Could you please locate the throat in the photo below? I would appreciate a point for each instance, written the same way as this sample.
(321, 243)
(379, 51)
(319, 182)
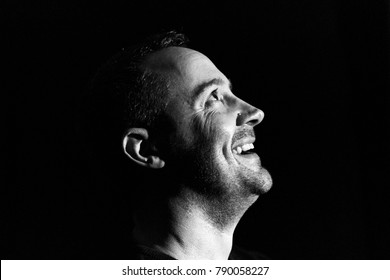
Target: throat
(187, 234)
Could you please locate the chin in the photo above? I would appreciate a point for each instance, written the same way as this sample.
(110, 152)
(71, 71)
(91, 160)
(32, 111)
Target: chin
(266, 180)
(259, 183)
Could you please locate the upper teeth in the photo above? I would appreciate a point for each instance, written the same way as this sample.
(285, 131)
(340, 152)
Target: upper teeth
(243, 148)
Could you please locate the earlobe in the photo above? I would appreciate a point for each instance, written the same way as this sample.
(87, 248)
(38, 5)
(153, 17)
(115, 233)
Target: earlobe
(137, 146)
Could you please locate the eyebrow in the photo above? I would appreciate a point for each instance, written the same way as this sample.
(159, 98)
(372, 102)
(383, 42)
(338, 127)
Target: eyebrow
(203, 86)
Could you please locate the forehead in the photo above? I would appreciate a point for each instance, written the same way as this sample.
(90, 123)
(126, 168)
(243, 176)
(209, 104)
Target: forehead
(185, 68)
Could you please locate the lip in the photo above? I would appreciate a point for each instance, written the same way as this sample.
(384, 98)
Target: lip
(241, 142)
(248, 160)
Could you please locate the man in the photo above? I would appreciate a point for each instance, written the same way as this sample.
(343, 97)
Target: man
(189, 140)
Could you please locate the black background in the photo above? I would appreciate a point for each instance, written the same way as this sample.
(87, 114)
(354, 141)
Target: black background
(318, 69)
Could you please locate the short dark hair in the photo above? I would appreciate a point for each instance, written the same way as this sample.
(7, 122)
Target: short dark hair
(126, 94)
(122, 94)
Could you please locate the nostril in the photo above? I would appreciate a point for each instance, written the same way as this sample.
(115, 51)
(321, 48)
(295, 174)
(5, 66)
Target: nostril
(253, 122)
(254, 117)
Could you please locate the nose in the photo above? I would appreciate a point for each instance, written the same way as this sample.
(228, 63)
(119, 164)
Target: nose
(249, 115)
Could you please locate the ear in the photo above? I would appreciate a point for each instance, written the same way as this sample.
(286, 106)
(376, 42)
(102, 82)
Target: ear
(137, 146)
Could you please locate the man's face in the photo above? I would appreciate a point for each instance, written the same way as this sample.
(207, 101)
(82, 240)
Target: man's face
(212, 136)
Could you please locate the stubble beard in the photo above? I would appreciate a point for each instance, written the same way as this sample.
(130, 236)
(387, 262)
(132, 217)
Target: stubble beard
(223, 192)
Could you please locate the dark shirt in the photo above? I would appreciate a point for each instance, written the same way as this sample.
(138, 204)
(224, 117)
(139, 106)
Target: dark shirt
(238, 253)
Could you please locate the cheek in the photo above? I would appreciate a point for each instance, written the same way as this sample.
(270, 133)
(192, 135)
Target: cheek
(214, 127)
(207, 126)
(223, 123)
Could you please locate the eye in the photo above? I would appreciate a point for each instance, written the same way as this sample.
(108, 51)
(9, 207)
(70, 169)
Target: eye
(215, 96)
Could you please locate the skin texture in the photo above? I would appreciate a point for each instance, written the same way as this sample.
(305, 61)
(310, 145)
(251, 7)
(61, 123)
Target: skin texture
(215, 185)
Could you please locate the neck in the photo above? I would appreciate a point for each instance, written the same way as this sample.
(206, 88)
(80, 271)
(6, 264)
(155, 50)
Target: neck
(184, 229)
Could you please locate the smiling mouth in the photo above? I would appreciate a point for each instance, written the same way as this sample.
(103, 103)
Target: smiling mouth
(245, 149)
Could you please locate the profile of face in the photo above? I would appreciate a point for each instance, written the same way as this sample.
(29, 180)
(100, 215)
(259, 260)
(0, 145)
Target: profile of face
(208, 144)
(211, 140)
